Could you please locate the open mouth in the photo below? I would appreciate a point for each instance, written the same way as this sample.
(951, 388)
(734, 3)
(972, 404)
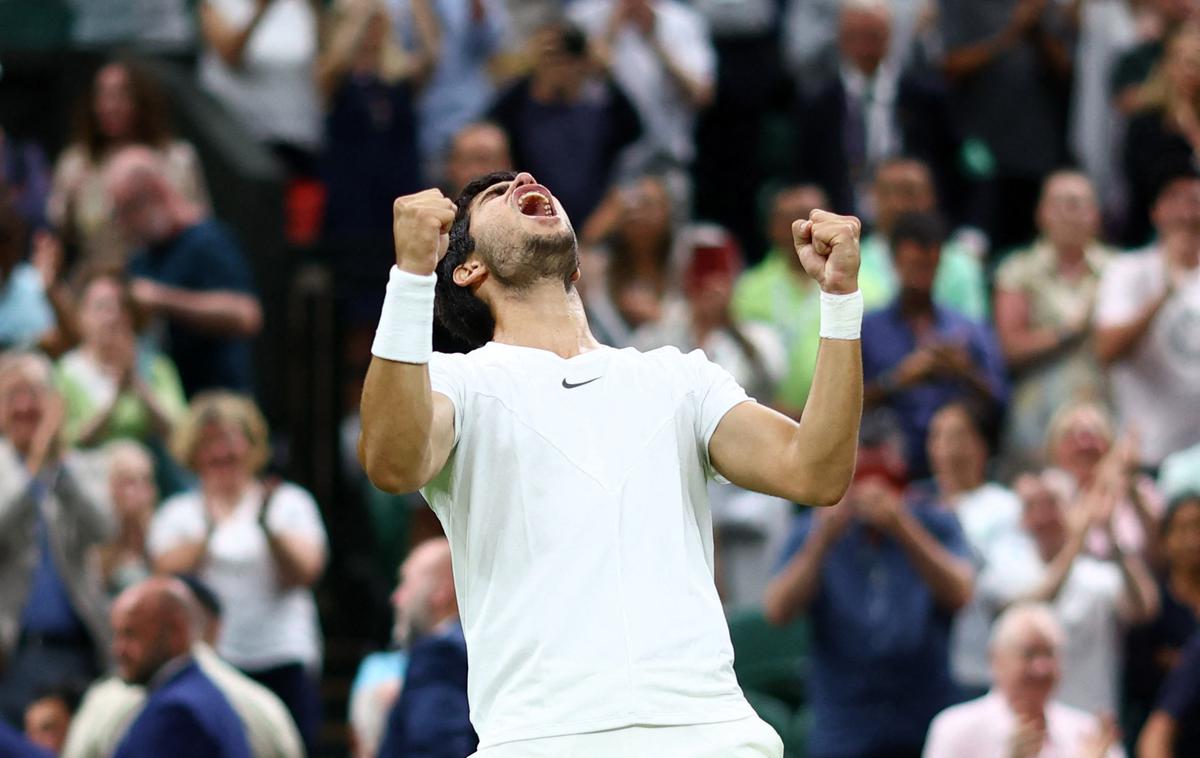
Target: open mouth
(534, 200)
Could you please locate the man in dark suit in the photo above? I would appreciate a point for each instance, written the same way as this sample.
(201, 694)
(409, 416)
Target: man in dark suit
(430, 719)
(185, 715)
(868, 112)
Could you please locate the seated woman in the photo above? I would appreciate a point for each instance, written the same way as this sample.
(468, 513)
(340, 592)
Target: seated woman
(258, 543)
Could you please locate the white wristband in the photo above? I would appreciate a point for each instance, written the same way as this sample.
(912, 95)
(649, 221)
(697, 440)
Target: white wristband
(405, 332)
(841, 316)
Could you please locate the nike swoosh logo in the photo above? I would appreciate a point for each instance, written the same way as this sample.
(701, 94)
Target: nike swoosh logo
(568, 386)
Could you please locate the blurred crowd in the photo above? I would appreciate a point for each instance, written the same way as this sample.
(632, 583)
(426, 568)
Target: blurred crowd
(1015, 570)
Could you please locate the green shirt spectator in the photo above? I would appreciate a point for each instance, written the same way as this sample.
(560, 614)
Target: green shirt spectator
(960, 283)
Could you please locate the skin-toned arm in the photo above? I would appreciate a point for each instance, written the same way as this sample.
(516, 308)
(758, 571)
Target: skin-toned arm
(1115, 342)
(299, 561)
(185, 558)
(219, 312)
(1022, 343)
(229, 42)
(1158, 736)
(948, 577)
(791, 592)
(407, 429)
(809, 462)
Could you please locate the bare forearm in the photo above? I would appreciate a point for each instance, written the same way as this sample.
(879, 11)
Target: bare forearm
(229, 43)
(394, 446)
(825, 445)
(1115, 342)
(1158, 737)
(184, 559)
(948, 577)
(1057, 571)
(1140, 589)
(298, 561)
(219, 312)
(698, 93)
(793, 590)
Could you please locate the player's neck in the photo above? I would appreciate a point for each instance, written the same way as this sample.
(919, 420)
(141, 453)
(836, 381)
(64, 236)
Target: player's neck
(547, 317)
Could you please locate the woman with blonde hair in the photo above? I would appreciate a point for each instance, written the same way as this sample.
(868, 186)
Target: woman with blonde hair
(259, 543)
(1165, 134)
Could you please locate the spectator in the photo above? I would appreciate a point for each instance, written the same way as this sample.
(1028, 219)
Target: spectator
(1174, 727)
(1180, 473)
(567, 126)
(430, 716)
(810, 35)
(13, 744)
(903, 186)
(369, 85)
(1009, 66)
(961, 435)
(35, 308)
(1018, 718)
(660, 54)
(1153, 648)
(880, 581)
(1044, 301)
(53, 509)
(918, 355)
(259, 544)
(476, 150)
(1137, 64)
(868, 112)
(113, 387)
(258, 60)
(48, 717)
(459, 87)
(1147, 325)
(1080, 443)
(641, 239)
(134, 497)
(124, 106)
(191, 274)
(185, 714)
(752, 352)
(379, 678)
(111, 704)
(1093, 600)
(1164, 135)
(778, 293)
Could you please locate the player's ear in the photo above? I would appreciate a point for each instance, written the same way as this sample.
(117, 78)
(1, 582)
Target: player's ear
(470, 273)
(575, 276)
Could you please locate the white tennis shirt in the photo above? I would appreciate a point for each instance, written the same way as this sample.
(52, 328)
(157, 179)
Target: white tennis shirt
(575, 501)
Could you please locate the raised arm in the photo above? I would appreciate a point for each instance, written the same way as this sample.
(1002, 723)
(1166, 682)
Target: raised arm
(407, 429)
(219, 312)
(809, 462)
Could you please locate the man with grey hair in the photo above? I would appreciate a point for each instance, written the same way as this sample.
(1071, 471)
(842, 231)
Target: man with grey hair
(190, 273)
(53, 510)
(1019, 718)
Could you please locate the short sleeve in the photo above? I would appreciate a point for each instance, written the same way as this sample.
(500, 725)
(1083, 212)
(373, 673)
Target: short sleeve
(1011, 275)
(180, 520)
(716, 392)
(1180, 694)
(448, 376)
(1117, 298)
(293, 511)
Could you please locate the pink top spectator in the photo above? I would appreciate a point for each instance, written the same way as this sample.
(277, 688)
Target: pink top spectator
(983, 728)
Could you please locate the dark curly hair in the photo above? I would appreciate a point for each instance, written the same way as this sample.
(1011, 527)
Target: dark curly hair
(468, 319)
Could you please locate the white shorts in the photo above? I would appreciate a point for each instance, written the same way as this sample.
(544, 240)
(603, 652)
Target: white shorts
(750, 737)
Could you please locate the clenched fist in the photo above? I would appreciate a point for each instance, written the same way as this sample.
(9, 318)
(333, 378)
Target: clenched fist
(421, 227)
(827, 245)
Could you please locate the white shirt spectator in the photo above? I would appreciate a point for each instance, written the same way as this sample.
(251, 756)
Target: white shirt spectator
(1086, 606)
(273, 91)
(667, 117)
(1156, 386)
(983, 728)
(990, 517)
(262, 625)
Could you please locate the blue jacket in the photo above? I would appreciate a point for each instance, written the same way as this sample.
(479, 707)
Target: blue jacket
(187, 717)
(430, 719)
(14, 745)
